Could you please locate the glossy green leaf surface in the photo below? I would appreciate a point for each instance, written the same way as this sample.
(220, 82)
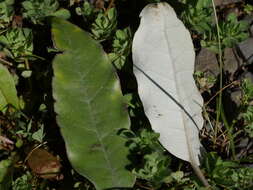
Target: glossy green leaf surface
(90, 108)
(8, 93)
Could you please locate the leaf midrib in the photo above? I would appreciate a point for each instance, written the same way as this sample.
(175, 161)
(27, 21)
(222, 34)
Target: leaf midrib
(191, 157)
(97, 131)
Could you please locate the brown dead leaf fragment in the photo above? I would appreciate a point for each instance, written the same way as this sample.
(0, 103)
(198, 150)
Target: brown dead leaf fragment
(5, 143)
(17, 21)
(100, 4)
(44, 164)
(112, 4)
(5, 140)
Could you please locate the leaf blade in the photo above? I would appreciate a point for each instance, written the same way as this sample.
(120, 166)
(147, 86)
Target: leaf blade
(8, 92)
(163, 57)
(89, 99)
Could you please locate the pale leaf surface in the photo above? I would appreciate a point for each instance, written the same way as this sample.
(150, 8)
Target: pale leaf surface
(163, 57)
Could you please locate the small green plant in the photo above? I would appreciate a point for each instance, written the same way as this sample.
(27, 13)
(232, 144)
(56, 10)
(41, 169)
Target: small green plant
(232, 32)
(155, 169)
(247, 89)
(38, 10)
(248, 121)
(39, 134)
(121, 47)
(6, 12)
(155, 165)
(87, 10)
(17, 43)
(205, 82)
(145, 141)
(23, 182)
(248, 8)
(228, 175)
(247, 107)
(104, 25)
(27, 132)
(198, 15)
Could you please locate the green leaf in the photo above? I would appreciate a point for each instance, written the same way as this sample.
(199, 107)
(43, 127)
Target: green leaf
(228, 174)
(38, 10)
(39, 135)
(23, 182)
(26, 74)
(6, 12)
(104, 25)
(62, 13)
(8, 93)
(5, 174)
(90, 108)
(18, 43)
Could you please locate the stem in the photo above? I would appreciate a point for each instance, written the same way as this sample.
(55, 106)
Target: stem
(236, 82)
(5, 62)
(111, 4)
(220, 68)
(30, 153)
(220, 111)
(230, 133)
(207, 117)
(27, 67)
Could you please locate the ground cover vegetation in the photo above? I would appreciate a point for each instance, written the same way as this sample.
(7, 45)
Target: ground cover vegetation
(32, 95)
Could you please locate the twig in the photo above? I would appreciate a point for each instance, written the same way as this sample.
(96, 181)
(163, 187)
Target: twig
(230, 133)
(111, 4)
(144, 187)
(5, 140)
(30, 153)
(207, 117)
(222, 89)
(5, 62)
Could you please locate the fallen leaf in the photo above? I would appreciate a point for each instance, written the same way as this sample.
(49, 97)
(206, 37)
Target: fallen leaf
(44, 164)
(163, 57)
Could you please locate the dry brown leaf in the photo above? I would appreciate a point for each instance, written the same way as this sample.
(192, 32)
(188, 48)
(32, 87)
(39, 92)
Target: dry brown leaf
(44, 164)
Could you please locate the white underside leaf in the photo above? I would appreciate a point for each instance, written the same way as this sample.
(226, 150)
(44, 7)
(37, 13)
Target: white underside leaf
(163, 56)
